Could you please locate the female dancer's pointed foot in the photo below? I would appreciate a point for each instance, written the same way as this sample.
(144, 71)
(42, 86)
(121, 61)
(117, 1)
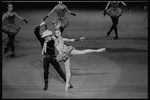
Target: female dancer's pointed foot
(101, 50)
(67, 86)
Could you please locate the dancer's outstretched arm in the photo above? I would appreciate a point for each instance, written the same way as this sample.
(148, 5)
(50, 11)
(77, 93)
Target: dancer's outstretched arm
(74, 14)
(20, 18)
(49, 13)
(125, 5)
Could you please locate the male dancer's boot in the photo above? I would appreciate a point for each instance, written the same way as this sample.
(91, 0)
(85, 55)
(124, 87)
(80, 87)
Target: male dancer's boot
(46, 85)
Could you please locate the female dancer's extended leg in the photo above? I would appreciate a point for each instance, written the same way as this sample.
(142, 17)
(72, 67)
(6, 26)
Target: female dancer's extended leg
(68, 73)
(76, 52)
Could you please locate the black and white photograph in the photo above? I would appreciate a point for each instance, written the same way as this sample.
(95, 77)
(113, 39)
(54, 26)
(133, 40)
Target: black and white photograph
(75, 49)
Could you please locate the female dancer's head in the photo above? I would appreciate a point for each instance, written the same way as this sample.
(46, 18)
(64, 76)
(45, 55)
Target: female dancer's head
(9, 6)
(58, 33)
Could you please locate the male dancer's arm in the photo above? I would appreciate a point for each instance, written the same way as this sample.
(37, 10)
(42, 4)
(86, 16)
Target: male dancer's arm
(38, 36)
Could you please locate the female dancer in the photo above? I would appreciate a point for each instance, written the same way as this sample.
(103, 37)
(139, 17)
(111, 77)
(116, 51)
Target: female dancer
(10, 28)
(60, 9)
(65, 51)
(114, 12)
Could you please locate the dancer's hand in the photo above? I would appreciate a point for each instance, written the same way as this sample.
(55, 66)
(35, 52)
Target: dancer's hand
(104, 16)
(129, 10)
(25, 21)
(82, 38)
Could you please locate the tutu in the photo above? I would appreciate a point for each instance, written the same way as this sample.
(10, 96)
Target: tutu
(115, 12)
(11, 28)
(65, 53)
(64, 22)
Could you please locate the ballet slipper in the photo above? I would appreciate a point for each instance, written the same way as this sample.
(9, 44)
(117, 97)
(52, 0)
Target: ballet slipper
(101, 50)
(67, 87)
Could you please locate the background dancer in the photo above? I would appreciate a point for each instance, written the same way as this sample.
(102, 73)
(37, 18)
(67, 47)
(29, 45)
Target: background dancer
(10, 28)
(61, 18)
(114, 12)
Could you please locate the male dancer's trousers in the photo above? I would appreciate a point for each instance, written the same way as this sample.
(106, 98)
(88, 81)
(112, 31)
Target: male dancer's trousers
(55, 64)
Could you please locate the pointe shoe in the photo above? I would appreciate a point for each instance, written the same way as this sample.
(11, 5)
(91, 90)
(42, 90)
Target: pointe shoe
(67, 87)
(43, 23)
(101, 50)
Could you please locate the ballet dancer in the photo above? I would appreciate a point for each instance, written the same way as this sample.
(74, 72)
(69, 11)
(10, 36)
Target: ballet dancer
(114, 12)
(10, 28)
(60, 9)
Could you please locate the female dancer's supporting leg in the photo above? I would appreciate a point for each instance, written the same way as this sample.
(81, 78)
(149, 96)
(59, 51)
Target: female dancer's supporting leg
(68, 73)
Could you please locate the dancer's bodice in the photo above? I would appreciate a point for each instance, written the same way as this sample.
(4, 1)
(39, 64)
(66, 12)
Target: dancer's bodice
(115, 4)
(61, 9)
(10, 18)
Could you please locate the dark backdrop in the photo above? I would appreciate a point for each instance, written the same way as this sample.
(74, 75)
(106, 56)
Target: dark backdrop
(26, 5)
